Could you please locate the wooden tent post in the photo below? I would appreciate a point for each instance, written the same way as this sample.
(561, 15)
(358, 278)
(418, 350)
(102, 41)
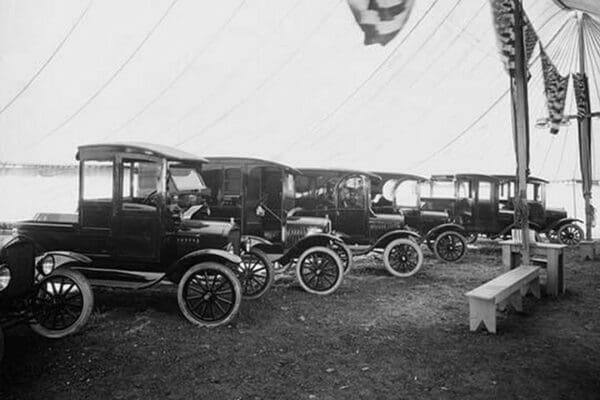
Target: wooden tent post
(520, 118)
(584, 125)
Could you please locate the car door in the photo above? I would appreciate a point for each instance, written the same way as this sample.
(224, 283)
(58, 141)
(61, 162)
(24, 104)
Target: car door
(136, 229)
(486, 206)
(351, 216)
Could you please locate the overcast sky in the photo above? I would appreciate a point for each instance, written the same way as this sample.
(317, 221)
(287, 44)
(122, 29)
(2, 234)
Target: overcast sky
(288, 80)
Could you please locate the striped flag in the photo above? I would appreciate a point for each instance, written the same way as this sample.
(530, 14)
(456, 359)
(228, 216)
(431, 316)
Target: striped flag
(380, 20)
(555, 89)
(504, 22)
(580, 86)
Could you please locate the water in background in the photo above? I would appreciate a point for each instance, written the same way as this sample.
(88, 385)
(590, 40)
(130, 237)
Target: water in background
(27, 192)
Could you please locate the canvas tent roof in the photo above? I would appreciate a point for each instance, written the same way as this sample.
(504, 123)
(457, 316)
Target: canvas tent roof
(291, 82)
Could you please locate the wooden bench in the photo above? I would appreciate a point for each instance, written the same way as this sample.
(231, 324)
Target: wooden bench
(508, 288)
(548, 255)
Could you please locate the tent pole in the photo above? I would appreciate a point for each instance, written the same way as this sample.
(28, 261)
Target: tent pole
(520, 117)
(584, 125)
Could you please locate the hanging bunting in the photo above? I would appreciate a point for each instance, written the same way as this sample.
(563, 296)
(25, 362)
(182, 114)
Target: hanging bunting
(555, 89)
(380, 20)
(580, 86)
(504, 22)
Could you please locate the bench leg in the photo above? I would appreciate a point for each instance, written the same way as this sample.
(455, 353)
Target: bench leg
(481, 311)
(534, 287)
(516, 301)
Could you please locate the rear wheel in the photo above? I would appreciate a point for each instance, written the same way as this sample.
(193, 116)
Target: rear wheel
(319, 270)
(209, 294)
(403, 257)
(255, 274)
(450, 246)
(570, 234)
(344, 253)
(62, 304)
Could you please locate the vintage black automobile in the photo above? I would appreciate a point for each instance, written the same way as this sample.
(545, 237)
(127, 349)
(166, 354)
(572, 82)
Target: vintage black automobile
(401, 193)
(40, 289)
(476, 203)
(344, 197)
(259, 195)
(553, 222)
(136, 237)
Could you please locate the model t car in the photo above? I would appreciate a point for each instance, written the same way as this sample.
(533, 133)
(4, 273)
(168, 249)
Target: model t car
(478, 205)
(553, 222)
(401, 193)
(259, 195)
(344, 197)
(41, 290)
(135, 237)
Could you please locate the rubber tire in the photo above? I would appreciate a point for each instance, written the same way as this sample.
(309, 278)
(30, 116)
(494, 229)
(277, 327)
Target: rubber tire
(581, 234)
(388, 250)
(270, 275)
(229, 274)
(88, 305)
(448, 233)
(350, 264)
(338, 262)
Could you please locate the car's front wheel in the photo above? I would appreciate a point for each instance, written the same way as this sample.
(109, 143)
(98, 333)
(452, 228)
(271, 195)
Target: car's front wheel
(403, 257)
(319, 270)
(62, 304)
(209, 294)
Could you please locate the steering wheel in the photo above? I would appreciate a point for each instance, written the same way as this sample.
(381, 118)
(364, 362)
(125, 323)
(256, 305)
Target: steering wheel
(149, 198)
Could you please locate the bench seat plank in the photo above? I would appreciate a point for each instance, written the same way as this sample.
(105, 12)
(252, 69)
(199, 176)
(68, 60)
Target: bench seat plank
(503, 286)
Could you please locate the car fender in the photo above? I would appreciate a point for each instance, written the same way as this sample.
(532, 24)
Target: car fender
(313, 240)
(384, 240)
(18, 239)
(178, 268)
(506, 230)
(564, 221)
(64, 258)
(249, 241)
(450, 226)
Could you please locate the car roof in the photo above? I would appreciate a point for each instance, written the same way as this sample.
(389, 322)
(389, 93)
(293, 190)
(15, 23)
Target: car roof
(464, 176)
(248, 160)
(106, 149)
(530, 179)
(337, 172)
(398, 175)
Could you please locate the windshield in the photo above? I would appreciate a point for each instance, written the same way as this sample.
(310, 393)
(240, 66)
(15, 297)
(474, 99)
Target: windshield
(439, 189)
(186, 179)
(407, 194)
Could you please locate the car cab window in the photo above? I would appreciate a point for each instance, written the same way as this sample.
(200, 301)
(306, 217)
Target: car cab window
(464, 190)
(484, 191)
(97, 182)
(142, 184)
(352, 193)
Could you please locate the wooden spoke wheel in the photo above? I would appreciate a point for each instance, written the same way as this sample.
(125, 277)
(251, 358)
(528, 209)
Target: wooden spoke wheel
(450, 246)
(344, 253)
(570, 234)
(209, 294)
(552, 236)
(62, 304)
(319, 270)
(255, 274)
(403, 257)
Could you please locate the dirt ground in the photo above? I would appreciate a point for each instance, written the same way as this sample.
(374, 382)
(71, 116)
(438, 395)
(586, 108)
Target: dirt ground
(377, 337)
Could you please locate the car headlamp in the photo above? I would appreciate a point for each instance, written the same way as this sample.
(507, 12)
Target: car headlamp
(47, 265)
(4, 277)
